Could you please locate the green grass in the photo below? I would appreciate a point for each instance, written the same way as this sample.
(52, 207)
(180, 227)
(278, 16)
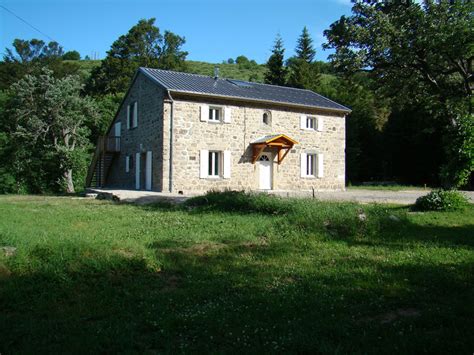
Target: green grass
(234, 273)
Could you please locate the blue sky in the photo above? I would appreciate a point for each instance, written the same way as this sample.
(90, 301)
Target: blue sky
(214, 29)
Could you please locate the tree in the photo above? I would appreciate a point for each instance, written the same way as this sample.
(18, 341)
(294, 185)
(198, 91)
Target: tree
(276, 70)
(72, 55)
(304, 73)
(304, 48)
(29, 57)
(143, 45)
(418, 55)
(49, 115)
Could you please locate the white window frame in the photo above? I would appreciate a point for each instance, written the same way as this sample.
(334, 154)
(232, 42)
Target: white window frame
(215, 158)
(311, 123)
(312, 165)
(127, 163)
(216, 111)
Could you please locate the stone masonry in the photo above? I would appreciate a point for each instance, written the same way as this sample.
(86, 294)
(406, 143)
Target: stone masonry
(182, 144)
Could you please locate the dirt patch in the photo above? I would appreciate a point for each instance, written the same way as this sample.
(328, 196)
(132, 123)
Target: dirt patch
(195, 249)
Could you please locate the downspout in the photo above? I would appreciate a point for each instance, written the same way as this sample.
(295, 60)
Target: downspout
(171, 143)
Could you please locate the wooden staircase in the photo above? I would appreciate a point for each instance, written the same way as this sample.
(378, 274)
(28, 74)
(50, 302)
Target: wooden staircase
(107, 148)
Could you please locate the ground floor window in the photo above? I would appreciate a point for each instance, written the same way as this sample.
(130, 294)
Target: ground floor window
(214, 163)
(311, 164)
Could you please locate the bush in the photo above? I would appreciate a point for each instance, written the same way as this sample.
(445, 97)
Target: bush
(441, 200)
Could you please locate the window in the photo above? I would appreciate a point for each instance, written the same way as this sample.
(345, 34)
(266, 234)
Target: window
(214, 164)
(311, 165)
(128, 163)
(132, 115)
(215, 114)
(267, 118)
(311, 123)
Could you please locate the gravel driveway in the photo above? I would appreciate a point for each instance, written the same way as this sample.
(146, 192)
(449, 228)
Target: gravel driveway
(364, 196)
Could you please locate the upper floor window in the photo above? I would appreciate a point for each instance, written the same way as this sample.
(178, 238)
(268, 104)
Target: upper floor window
(132, 115)
(267, 118)
(311, 123)
(215, 114)
(314, 123)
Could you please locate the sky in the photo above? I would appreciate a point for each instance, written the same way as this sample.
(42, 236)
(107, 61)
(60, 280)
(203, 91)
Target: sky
(215, 30)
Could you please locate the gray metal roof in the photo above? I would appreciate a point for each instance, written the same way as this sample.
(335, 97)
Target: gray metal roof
(249, 91)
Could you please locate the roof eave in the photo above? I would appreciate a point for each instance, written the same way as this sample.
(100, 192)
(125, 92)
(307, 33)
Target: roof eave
(245, 99)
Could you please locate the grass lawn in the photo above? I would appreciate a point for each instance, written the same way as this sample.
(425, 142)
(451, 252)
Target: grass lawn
(227, 274)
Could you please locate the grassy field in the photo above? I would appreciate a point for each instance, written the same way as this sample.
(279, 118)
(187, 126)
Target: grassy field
(233, 273)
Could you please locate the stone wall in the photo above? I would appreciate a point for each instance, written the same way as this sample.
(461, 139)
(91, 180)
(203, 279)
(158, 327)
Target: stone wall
(191, 135)
(147, 136)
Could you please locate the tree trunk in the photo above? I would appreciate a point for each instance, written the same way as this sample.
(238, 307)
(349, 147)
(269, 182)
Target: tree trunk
(69, 182)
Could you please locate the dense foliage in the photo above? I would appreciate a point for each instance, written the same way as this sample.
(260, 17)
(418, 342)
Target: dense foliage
(49, 119)
(420, 57)
(442, 200)
(143, 46)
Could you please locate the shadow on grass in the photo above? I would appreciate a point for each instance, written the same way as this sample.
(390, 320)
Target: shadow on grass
(255, 296)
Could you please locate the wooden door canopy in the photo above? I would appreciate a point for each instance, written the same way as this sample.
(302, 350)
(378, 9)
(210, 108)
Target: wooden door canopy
(282, 143)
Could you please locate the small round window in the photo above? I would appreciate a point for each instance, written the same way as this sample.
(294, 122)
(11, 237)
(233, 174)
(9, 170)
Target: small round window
(267, 118)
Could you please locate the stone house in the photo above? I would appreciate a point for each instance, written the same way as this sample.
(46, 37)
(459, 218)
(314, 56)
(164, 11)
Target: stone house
(180, 132)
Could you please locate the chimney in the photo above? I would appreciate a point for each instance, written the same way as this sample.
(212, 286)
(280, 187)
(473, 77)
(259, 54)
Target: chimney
(216, 72)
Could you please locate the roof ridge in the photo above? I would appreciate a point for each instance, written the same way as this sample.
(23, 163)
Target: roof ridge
(180, 72)
(227, 79)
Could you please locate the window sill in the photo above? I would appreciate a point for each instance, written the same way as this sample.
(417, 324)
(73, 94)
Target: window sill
(213, 178)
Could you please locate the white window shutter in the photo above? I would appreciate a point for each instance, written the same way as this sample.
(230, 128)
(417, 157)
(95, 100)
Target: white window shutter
(204, 164)
(204, 113)
(320, 123)
(303, 121)
(137, 171)
(227, 164)
(303, 165)
(227, 114)
(128, 116)
(127, 164)
(320, 158)
(135, 114)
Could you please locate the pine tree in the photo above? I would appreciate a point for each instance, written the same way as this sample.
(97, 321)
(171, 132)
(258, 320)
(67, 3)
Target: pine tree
(276, 70)
(304, 73)
(304, 49)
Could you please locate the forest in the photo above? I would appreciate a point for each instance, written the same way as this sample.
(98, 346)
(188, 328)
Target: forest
(404, 69)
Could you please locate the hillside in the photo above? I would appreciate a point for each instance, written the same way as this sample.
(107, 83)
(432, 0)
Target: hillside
(248, 72)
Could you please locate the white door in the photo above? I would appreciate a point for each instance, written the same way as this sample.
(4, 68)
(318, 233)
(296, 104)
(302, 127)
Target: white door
(148, 171)
(137, 171)
(265, 168)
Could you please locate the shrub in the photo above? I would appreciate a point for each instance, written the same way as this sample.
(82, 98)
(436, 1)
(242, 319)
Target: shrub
(441, 200)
